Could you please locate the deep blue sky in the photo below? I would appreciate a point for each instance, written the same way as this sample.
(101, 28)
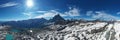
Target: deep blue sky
(18, 10)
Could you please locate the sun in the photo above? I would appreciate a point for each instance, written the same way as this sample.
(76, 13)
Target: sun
(29, 3)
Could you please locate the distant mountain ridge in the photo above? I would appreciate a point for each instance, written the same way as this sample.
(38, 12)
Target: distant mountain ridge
(26, 23)
(31, 23)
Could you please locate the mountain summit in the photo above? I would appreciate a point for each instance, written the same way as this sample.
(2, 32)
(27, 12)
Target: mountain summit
(57, 19)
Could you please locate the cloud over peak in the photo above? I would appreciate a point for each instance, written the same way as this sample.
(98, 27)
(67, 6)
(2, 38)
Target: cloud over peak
(101, 15)
(72, 12)
(50, 13)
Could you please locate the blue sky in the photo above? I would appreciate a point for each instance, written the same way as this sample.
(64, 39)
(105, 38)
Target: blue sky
(87, 9)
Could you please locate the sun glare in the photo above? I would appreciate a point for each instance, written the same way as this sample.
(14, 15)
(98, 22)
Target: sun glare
(29, 3)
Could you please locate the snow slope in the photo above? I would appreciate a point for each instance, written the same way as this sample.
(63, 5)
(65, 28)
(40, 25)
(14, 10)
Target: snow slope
(80, 31)
(87, 31)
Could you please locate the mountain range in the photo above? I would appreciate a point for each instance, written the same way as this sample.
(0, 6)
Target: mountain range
(34, 23)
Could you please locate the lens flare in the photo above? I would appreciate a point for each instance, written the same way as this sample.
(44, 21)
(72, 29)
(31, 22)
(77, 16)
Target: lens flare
(29, 3)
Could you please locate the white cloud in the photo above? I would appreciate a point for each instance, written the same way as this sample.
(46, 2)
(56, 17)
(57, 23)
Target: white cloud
(9, 4)
(41, 11)
(48, 14)
(118, 13)
(73, 12)
(89, 13)
(104, 16)
(29, 14)
(101, 15)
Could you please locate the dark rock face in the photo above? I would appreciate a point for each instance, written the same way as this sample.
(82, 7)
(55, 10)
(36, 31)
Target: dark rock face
(57, 19)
